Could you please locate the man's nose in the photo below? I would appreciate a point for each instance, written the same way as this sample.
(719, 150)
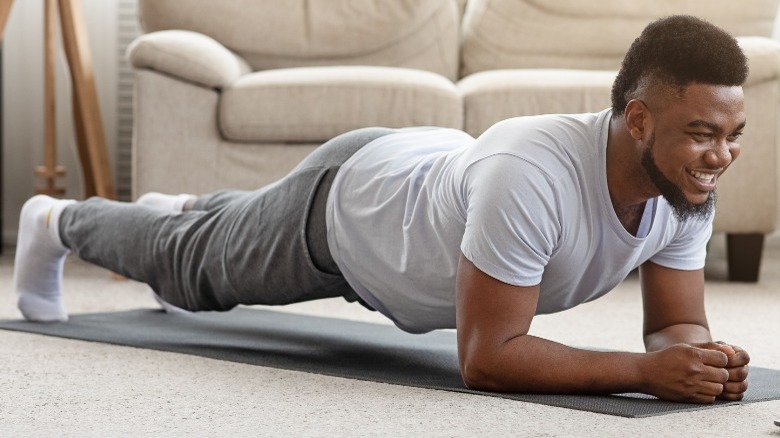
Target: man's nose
(720, 155)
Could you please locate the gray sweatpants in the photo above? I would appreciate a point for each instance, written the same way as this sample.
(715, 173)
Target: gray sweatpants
(235, 247)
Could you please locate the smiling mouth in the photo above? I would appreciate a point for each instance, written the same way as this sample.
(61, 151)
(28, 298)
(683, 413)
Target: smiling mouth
(703, 177)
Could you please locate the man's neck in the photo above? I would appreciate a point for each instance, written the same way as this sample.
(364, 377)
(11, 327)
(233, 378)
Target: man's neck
(627, 180)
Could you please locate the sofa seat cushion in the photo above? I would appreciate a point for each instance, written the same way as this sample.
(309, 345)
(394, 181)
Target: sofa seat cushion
(315, 104)
(492, 96)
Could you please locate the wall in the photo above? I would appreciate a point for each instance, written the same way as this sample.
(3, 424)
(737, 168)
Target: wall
(23, 102)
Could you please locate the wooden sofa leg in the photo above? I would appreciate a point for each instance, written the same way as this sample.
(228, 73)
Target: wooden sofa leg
(744, 256)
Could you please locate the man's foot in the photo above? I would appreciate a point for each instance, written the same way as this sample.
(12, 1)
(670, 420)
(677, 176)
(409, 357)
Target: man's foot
(39, 259)
(168, 203)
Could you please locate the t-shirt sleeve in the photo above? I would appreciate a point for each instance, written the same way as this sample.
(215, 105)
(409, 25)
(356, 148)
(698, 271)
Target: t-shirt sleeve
(512, 219)
(688, 249)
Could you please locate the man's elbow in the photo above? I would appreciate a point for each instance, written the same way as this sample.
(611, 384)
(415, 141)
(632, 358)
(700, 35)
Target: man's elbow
(482, 375)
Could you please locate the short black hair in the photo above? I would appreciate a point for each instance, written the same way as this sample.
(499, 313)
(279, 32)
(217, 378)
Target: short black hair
(677, 51)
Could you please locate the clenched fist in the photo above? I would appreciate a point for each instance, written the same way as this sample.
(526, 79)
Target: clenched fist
(697, 373)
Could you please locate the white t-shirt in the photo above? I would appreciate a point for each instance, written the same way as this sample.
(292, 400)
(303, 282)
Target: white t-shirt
(527, 203)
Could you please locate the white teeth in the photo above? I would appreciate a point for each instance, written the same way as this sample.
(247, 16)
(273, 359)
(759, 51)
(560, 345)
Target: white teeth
(703, 177)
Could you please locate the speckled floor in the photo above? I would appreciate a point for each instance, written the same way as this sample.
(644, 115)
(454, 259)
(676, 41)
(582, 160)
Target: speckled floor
(57, 387)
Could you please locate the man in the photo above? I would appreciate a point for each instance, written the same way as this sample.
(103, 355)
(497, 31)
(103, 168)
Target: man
(437, 230)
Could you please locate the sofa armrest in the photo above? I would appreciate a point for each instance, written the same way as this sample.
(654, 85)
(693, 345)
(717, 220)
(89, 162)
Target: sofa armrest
(763, 58)
(191, 56)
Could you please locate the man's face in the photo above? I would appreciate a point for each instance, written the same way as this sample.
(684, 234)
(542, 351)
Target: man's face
(673, 194)
(692, 142)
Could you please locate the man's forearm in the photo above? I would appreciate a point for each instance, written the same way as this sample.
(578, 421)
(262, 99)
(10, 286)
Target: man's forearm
(676, 334)
(534, 365)
(681, 372)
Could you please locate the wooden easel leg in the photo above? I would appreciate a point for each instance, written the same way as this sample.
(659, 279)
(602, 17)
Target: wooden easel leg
(88, 126)
(77, 51)
(50, 170)
(81, 143)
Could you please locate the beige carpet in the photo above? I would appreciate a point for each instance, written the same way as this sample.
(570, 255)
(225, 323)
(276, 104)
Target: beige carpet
(56, 387)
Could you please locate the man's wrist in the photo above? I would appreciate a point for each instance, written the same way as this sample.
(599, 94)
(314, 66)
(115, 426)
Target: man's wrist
(644, 369)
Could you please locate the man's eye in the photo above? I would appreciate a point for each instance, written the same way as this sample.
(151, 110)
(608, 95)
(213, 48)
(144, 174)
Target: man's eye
(734, 137)
(702, 135)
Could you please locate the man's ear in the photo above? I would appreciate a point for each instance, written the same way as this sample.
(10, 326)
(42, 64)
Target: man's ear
(638, 118)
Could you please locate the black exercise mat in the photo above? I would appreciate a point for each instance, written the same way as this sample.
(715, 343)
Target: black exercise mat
(341, 348)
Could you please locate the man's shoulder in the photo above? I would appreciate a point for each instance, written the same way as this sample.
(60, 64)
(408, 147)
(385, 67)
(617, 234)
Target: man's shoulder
(558, 123)
(558, 144)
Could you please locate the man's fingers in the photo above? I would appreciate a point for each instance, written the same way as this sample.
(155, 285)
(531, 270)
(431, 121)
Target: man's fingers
(728, 350)
(738, 374)
(731, 396)
(740, 358)
(715, 375)
(706, 392)
(701, 399)
(735, 388)
(713, 357)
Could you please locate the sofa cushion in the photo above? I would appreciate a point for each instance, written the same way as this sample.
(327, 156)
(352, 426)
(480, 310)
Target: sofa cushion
(495, 95)
(317, 103)
(580, 34)
(420, 34)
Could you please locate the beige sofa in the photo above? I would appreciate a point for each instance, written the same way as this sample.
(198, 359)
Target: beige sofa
(234, 93)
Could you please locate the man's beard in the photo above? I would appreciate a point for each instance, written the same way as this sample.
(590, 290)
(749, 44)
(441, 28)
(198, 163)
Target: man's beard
(682, 207)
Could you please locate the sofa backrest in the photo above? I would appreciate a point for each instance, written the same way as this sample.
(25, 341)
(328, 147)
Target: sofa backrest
(579, 34)
(269, 34)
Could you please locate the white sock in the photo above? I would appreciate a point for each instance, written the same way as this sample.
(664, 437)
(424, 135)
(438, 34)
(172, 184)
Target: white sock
(161, 201)
(168, 307)
(39, 259)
